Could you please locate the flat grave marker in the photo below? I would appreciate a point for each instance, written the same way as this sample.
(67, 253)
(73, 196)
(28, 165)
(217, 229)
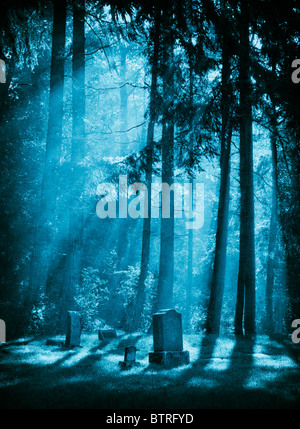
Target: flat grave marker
(107, 334)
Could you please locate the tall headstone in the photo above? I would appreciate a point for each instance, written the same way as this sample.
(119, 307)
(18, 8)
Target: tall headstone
(73, 329)
(167, 331)
(168, 339)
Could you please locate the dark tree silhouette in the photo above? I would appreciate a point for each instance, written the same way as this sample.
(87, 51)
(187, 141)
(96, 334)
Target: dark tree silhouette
(42, 257)
(245, 304)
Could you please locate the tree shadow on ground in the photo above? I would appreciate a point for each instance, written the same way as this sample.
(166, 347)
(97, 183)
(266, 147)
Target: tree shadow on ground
(241, 359)
(91, 381)
(117, 344)
(207, 348)
(293, 350)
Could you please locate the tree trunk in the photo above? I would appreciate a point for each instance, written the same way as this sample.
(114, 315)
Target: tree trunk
(77, 173)
(269, 321)
(166, 264)
(123, 224)
(140, 299)
(44, 234)
(218, 276)
(124, 99)
(189, 286)
(245, 305)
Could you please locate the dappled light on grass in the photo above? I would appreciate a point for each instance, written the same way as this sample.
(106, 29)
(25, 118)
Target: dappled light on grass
(202, 382)
(217, 364)
(224, 367)
(276, 362)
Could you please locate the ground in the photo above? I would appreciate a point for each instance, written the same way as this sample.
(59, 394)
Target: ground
(224, 372)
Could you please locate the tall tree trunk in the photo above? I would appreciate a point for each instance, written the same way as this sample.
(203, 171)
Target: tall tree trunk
(124, 98)
(166, 263)
(44, 234)
(269, 321)
(77, 173)
(123, 238)
(245, 305)
(189, 286)
(218, 275)
(140, 299)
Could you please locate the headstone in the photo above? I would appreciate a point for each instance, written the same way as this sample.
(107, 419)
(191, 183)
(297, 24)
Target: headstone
(168, 339)
(167, 331)
(129, 358)
(106, 334)
(130, 354)
(73, 329)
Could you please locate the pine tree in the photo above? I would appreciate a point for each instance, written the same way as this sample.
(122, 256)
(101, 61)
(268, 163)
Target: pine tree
(166, 262)
(145, 257)
(218, 275)
(245, 304)
(77, 172)
(42, 257)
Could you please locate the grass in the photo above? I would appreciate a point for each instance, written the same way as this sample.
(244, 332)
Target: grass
(224, 372)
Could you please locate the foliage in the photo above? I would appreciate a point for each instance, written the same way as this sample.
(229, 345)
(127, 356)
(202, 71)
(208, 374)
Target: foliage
(150, 290)
(90, 297)
(36, 324)
(126, 292)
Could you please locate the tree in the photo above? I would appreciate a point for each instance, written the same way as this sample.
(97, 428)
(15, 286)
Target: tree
(245, 304)
(166, 263)
(218, 275)
(42, 256)
(140, 299)
(77, 171)
(124, 141)
(273, 232)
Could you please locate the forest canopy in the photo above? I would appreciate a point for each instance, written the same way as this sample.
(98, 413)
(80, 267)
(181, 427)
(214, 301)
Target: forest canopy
(198, 96)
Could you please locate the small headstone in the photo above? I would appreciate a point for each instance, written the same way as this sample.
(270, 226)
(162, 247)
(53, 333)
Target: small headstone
(130, 354)
(106, 334)
(73, 329)
(168, 339)
(129, 358)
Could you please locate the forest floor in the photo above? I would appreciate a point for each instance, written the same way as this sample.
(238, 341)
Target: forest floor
(224, 372)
